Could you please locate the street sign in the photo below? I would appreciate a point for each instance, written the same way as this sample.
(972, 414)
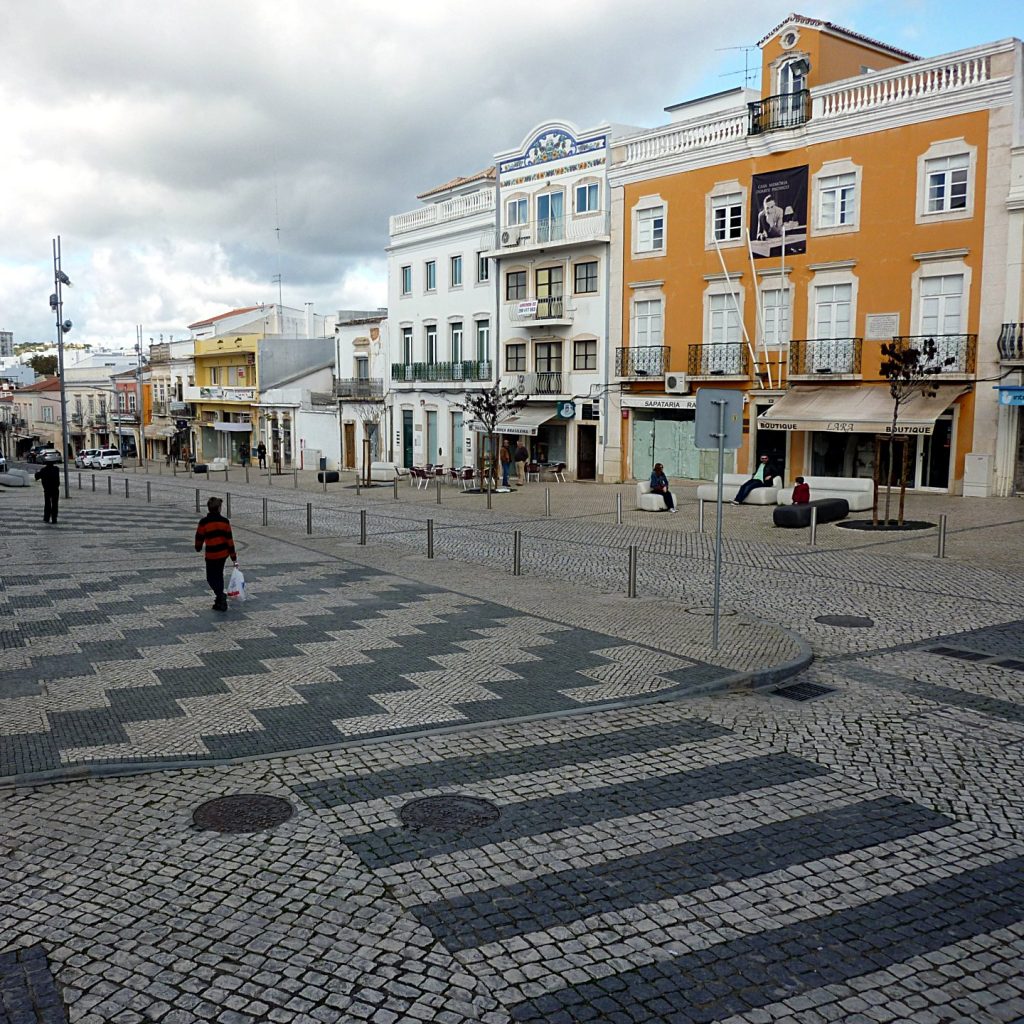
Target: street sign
(708, 423)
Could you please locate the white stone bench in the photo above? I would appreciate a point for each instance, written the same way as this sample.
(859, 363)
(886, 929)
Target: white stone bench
(857, 491)
(385, 472)
(731, 483)
(218, 465)
(648, 502)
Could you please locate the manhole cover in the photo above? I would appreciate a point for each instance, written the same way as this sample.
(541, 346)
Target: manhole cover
(846, 621)
(244, 812)
(802, 691)
(706, 611)
(449, 813)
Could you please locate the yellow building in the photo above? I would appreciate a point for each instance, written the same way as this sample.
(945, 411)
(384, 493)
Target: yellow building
(772, 242)
(225, 396)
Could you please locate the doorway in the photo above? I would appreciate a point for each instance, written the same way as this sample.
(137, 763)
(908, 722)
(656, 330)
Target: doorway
(407, 438)
(350, 446)
(586, 453)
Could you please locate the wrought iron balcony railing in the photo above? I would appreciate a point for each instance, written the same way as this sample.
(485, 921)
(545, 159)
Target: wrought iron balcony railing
(76, 419)
(813, 357)
(545, 382)
(718, 359)
(1011, 342)
(644, 361)
(787, 110)
(359, 388)
(960, 348)
(470, 370)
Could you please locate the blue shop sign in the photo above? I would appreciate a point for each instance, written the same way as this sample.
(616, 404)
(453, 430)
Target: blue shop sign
(1011, 394)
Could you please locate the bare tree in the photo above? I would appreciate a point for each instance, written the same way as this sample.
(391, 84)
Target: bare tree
(491, 408)
(909, 371)
(370, 411)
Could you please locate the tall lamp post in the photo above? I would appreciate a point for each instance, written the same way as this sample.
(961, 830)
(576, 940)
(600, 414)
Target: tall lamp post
(63, 326)
(138, 391)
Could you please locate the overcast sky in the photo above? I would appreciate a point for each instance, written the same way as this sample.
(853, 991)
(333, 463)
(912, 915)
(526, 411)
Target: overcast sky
(166, 142)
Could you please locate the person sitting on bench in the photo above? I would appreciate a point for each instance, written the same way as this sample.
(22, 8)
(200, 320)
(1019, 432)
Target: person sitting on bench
(763, 477)
(801, 492)
(659, 485)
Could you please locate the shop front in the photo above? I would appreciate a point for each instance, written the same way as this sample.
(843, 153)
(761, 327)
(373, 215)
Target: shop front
(661, 429)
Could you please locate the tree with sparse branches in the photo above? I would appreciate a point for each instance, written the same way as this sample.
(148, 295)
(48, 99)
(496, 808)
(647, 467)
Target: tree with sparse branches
(370, 411)
(489, 409)
(909, 371)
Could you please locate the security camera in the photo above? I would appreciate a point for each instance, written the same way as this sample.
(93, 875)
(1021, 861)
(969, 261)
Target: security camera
(63, 278)
(53, 301)
(66, 326)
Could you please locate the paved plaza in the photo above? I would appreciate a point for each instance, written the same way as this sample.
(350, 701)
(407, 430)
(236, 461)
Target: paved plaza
(633, 824)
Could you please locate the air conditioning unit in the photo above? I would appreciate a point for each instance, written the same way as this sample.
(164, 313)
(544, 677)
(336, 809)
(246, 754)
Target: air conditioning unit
(512, 236)
(676, 383)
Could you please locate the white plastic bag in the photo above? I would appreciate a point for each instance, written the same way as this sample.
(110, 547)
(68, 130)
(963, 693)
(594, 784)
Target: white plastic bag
(236, 585)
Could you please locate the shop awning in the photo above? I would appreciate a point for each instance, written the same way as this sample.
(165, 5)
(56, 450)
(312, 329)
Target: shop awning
(849, 410)
(221, 425)
(523, 424)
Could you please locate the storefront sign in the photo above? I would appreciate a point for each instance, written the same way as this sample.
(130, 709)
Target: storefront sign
(658, 402)
(1010, 395)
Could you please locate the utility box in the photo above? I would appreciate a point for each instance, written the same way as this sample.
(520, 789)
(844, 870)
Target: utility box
(977, 475)
(311, 458)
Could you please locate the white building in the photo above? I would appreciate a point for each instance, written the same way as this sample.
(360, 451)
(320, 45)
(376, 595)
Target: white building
(361, 354)
(91, 399)
(171, 369)
(264, 319)
(441, 314)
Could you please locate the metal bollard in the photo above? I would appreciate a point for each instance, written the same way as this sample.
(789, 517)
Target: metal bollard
(197, 499)
(110, 485)
(225, 476)
(814, 525)
(126, 487)
(324, 475)
(309, 517)
(439, 491)
(631, 583)
(246, 474)
(295, 478)
(618, 509)
(395, 482)
(547, 501)
(430, 538)
(174, 469)
(79, 481)
(149, 493)
(941, 552)
(362, 527)
(228, 497)
(264, 511)
(700, 515)
(357, 485)
(94, 483)
(517, 553)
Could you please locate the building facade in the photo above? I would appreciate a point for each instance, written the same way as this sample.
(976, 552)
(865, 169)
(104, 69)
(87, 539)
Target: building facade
(361, 368)
(92, 400)
(864, 197)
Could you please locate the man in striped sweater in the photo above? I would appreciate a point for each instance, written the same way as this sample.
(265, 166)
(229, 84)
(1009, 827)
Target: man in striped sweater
(214, 531)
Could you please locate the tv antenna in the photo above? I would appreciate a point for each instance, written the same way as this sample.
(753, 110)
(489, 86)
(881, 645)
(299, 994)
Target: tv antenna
(747, 72)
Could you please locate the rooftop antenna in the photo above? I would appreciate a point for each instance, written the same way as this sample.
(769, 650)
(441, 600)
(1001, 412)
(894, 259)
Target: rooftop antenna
(747, 72)
(277, 230)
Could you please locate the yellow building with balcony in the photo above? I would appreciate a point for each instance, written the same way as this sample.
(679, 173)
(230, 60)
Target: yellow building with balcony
(225, 396)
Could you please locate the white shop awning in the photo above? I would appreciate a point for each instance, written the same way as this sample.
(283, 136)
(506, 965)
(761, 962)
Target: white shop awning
(523, 424)
(856, 410)
(237, 427)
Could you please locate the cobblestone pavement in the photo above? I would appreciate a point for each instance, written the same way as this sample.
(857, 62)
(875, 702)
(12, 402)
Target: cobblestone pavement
(740, 857)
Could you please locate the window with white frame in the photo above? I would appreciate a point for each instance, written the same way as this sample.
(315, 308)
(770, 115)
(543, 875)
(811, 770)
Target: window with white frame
(588, 197)
(832, 308)
(430, 276)
(775, 315)
(407, 280)
(517, 211)
(483, 340)
(406, 346)
(483, 268)
(837, 200)
(727, 217)
(362, 368)
(133, 402)
(650, 229)
(723, 320)
(455, 331)
(647, 322)
(941, 318)
(723, 350)
(455, 271)
(431, 335)
(584, 354)
(945, 181)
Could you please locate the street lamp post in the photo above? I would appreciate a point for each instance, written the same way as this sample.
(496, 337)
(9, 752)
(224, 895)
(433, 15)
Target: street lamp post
(63, 326)
(138, 391)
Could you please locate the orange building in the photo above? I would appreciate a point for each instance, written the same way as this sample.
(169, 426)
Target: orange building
(773, 241)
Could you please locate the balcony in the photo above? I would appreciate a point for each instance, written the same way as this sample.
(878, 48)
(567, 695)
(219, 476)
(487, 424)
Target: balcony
(124, 418)
(77, 419)
(359, 389)
(99, 420)
(1011, 343)
(530, 384)
(216, 393)
(787, 110)
(551, 310)
(553, 232)
(159, 407)
(409, 373)
(645, 361)
(718, 359)
(814, 358)
(962, 349)
(179, 409)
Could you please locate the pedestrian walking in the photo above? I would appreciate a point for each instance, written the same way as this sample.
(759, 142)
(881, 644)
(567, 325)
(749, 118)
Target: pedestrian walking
(214, 532)
(261, 453)
(505, 458)
(244, 453)
(522, 458)
(49, 477)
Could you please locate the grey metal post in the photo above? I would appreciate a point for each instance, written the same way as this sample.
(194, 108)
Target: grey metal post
(357, 484)
(547, 501)
(79, 481)
(362, 526)
(718, 524)
(295, 477)
(309, 517)
(618, 509)
(265, 512)
(395, 484)
(814, 525)
(126, 487)
(149, 493)
(488, 493)
(110, 485)
(94, 483)
(225, 475)
(246, 474)
(227, 495)
(430, 538)
(323, 473)
(631, 583)
(941, 552)
(197, 499)
(700, 515)
(439, 490)
(517, 553)
(174, 469)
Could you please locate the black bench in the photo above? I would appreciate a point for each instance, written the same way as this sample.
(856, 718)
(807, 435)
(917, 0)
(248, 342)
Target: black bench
(199, 467)
(327, 477)
(794, 516)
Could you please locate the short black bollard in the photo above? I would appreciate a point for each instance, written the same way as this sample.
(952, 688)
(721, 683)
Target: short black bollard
(941, 550)
(126, 487)
(396, 488)
(362, 527)
(94, 483)
(79, 481)
(110, 485)
(197, 499)
(149, 492)
(309, 517)
(357, 485)
(439, 490)
(264, 511)
(631, 583)
(430, 538)
(295, 478)
(227, 495)
(517, 553)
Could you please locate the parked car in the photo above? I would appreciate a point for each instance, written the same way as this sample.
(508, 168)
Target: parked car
(108, 458)
(84, 458)
(3, 463)
(32, 455)
(49, 455)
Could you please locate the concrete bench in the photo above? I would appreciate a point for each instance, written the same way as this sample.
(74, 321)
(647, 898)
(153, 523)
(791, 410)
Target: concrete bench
(858, 492)
(15, 478)
(385, 472)
(731, 483)
(830, 510)
(648, 502)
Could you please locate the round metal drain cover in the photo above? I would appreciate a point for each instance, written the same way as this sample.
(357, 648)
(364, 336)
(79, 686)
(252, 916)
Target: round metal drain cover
(846, 621)
(244, 812)
(453, 813)
(708, 612)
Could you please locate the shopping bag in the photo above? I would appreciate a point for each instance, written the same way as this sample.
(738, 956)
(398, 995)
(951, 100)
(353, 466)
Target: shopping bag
(236, 585)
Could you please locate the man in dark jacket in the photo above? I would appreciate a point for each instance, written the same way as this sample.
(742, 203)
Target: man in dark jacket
(49, 477)
(763, 476)
(214, 531)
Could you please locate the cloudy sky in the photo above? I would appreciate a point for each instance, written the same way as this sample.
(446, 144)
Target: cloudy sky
(166, 143)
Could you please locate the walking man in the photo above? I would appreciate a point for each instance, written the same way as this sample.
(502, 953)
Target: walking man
(49, 477)
(261, 452)
(214, 531)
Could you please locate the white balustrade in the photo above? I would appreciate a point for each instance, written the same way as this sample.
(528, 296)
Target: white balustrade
(448, 210)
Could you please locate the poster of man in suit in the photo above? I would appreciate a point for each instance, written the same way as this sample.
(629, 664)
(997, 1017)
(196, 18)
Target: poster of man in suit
(778, 213)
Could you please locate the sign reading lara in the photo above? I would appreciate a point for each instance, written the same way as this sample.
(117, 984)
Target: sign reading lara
(778, 213)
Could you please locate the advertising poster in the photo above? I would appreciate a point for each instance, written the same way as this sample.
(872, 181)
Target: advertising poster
(778, 212)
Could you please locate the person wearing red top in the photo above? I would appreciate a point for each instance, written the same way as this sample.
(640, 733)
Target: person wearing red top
(801, 492)
(214, 532)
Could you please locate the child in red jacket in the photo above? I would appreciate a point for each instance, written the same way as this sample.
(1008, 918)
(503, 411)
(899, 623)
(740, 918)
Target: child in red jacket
(801, 492)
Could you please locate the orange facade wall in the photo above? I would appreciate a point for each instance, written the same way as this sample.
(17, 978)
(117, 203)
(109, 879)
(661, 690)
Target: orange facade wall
(831, 58)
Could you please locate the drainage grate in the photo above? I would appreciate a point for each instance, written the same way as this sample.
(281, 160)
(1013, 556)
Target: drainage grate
(244, 812)
(454, 813)
(802, 691)
(846, 621)
(955, 652)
